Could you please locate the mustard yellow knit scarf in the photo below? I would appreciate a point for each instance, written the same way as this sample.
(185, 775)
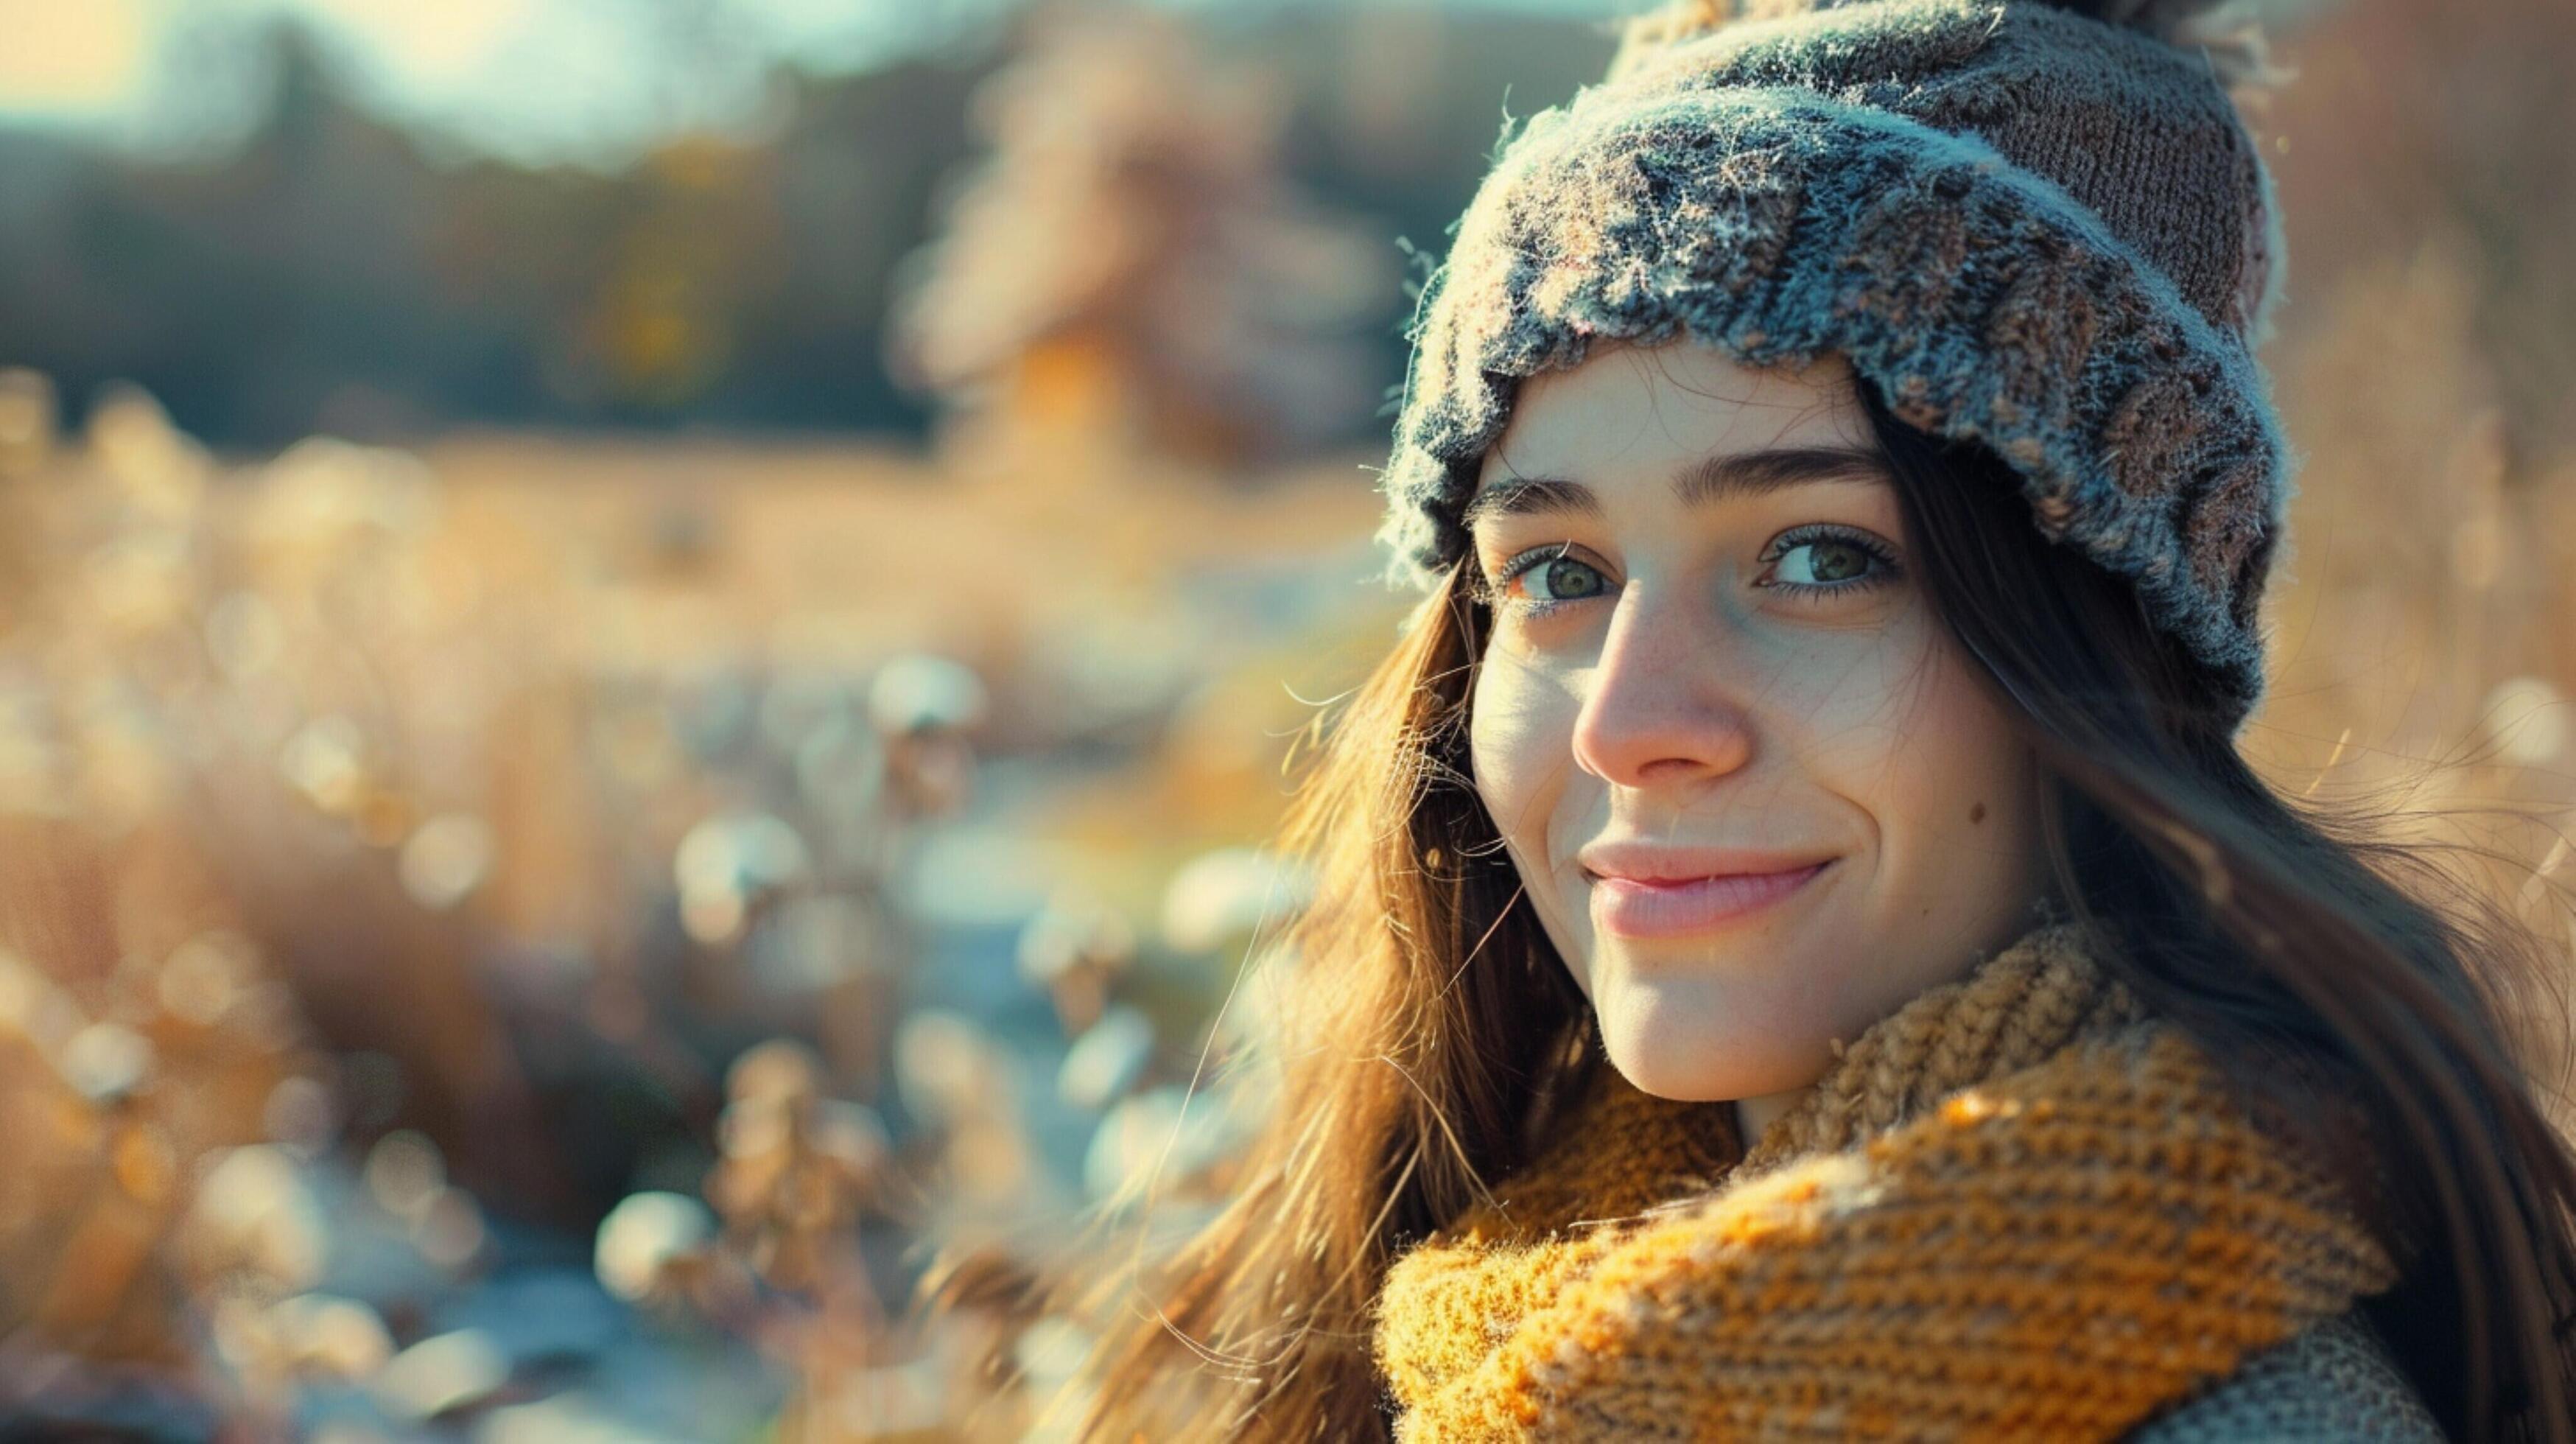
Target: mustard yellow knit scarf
(2016, 1207)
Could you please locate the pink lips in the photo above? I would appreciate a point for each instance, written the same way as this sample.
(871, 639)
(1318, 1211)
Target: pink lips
(1671, 907)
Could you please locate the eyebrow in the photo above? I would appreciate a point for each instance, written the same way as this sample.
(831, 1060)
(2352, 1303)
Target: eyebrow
(1713, 478)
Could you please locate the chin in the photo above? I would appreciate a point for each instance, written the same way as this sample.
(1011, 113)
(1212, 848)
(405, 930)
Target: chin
(1693, 1044)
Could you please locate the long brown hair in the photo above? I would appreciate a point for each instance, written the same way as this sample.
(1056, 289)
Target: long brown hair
(2356, 990)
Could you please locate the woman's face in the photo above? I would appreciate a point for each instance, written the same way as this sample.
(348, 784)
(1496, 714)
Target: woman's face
(1752, 787)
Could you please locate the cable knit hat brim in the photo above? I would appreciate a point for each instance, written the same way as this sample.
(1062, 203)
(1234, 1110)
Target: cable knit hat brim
(1984, 301)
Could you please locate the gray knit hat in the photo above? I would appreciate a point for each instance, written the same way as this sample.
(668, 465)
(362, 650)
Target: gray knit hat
(2039, 226)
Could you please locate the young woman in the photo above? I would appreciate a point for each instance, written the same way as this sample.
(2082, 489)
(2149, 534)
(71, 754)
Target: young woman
(1798, 952)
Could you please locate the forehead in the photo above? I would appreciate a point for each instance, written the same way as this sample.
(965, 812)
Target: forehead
(1633, 409)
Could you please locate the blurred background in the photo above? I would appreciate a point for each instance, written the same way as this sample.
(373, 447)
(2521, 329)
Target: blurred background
(648, 647)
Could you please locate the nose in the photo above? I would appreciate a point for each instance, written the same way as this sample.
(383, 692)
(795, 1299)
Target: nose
(1665, 707)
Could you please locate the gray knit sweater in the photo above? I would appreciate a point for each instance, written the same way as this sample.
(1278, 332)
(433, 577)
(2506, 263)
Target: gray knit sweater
(2332, 1384)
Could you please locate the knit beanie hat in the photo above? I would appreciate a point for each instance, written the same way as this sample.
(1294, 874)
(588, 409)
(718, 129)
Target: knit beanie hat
(2039, 226)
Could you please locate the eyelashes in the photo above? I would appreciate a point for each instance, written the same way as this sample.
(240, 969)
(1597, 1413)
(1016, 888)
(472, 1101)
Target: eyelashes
(1546, 563)
(1823, 561)
(1822, 539)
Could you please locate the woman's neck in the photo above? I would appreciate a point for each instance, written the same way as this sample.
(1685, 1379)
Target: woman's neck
(1753, 1115)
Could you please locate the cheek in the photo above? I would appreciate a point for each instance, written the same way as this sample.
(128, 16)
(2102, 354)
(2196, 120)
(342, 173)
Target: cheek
(1915, 741)
(1964, 761)
(1521, 736)
(1858, 710)
(1521, 742)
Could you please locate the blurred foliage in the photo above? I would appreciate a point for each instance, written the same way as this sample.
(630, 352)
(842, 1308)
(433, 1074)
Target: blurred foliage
(1128, 264)
(780, 861)
(337, 274)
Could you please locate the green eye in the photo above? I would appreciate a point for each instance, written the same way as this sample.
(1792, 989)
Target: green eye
(1542, 579)
(1562, 579)
(1816, 561)
(1824, 563)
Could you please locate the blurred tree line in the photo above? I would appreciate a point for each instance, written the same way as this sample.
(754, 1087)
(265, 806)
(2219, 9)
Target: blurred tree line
(337, 273)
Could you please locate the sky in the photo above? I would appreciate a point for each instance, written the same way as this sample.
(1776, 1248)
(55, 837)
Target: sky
(534, 80)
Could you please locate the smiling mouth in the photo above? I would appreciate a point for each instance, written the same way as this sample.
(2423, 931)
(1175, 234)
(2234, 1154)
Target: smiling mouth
(1661, 908)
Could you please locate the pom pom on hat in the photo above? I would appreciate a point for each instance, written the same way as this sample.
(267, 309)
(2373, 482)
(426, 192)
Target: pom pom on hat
(2161, 18)
(2232, 40)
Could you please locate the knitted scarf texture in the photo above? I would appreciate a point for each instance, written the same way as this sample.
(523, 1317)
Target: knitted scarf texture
(2018, 1207)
